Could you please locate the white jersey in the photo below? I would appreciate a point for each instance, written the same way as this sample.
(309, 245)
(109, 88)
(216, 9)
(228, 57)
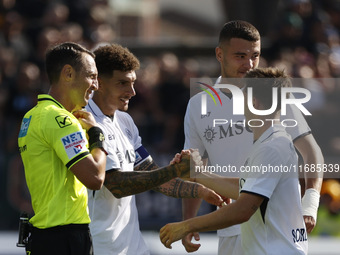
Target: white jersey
(226, 144)
(277, 227)
(114, 222)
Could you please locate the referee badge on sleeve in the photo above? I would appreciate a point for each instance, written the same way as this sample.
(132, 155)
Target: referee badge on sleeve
(63, 121)
(74, 144)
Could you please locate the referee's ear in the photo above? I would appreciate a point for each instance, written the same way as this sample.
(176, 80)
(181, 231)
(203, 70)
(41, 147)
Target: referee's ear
(67, 73)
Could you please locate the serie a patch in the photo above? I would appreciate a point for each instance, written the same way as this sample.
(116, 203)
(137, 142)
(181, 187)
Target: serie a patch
(141, 154)
(74, 144)
(24, 126)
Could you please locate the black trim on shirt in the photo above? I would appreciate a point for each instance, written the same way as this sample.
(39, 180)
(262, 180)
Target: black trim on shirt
(50, 99)
(264, 204)
(76, 158)
(263, 208)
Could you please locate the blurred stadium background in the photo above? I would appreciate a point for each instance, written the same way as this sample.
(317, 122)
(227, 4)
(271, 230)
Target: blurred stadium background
(174, 40)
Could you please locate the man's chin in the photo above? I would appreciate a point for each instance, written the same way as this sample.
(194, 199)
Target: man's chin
(123, 108)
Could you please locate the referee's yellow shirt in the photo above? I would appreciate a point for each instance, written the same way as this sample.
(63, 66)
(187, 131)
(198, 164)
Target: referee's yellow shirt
(51, 140)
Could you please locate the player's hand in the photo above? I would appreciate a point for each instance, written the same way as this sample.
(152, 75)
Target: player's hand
(226, 200)
(210, 196)
(85, 118)
(176, 159)
(190, 159)
(310, 223)
(171, 232)
(188, 244)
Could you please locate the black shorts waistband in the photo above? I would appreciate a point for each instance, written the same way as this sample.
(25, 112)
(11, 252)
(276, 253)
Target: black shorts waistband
(62, 228)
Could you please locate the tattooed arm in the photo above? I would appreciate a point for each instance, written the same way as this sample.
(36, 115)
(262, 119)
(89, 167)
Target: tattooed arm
(181, 189)
(123, 184)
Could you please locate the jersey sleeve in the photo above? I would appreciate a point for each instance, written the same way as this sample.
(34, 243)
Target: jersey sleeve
(262, 183)
(64, 132)
(137, 140)
(192, 138)
(141, 154)
(112, 158)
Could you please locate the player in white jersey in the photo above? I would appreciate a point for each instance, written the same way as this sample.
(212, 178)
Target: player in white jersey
(239, 51)
(267, 203)
(114, 217)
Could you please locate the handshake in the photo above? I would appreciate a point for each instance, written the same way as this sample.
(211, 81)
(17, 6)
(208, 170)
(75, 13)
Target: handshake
(186, 162)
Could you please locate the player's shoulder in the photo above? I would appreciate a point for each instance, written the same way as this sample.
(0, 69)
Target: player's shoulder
(197, 98)
(53, 114)
(123, 115)
(278, 146)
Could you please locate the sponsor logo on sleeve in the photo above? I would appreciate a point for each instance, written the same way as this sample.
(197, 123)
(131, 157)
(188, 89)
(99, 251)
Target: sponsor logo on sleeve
(140, 154)
(138, 157)
(74, 144)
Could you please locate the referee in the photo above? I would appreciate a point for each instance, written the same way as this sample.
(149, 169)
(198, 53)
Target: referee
(54, 149)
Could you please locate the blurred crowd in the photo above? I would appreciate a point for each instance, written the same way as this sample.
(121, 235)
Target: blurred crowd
(304, 39)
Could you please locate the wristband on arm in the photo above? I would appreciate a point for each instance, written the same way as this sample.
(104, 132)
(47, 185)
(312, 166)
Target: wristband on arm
(310, 203)
(96, 138)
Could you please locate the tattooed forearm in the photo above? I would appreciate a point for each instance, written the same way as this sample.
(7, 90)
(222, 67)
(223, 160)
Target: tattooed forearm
(176, 188)
(148, 175)
(179, 189)
(123, 184)
(146, 165)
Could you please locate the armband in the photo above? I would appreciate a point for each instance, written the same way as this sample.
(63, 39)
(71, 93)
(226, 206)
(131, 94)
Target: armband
(310, 203)
(141, 155)
(96, 138)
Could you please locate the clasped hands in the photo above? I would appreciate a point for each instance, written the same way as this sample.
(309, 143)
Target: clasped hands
(195, 162)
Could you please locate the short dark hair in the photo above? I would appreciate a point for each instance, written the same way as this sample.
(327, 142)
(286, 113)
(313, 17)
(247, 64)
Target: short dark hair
(238, 29)
(262, 80)
(62, 54)
(114, 57)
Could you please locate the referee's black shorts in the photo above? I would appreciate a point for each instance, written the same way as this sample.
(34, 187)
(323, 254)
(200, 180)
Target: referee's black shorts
(73, 239)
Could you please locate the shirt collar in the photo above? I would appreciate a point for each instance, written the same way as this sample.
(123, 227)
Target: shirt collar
(269, 132)
(95, 109)
(46, 97)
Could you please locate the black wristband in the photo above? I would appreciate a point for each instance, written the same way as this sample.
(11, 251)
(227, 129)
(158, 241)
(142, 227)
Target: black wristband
(96, 138)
